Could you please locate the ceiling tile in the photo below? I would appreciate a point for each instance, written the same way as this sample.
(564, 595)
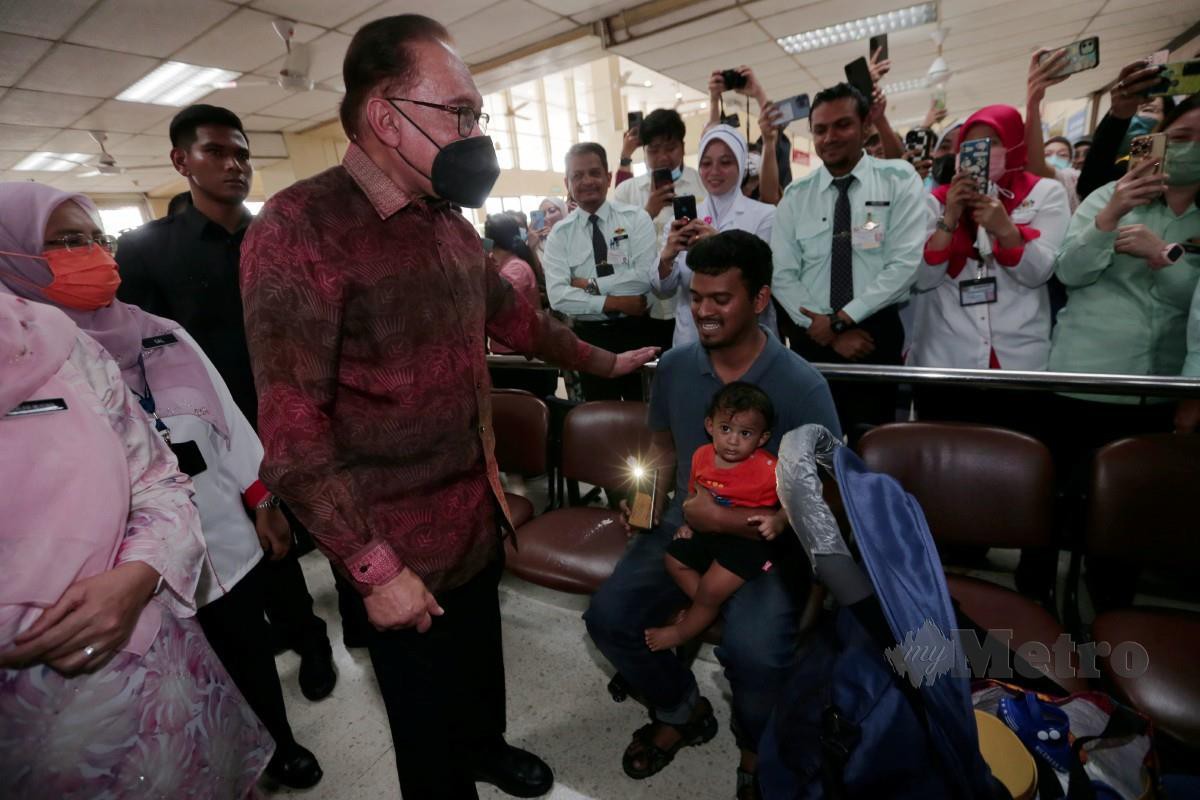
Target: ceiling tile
(8, 158)
(143, 145)
(148, 27)
(304, 104)
(585, 12)
(319, 12)
(247, 99)
(517, 42)
(327, 54)
(19, 107)
(50, 20)
(17, 55)
(118, 115)
(725, 41)
(242, 42)
(680, 33)
(21, 137)
(72, 69)
(259, 122)
(505, 20)
(268, 145)
(78, 141)
(444, 11)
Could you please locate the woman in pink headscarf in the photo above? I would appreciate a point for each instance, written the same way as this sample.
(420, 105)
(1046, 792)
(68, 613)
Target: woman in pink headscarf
(981, 298)
(105, 688)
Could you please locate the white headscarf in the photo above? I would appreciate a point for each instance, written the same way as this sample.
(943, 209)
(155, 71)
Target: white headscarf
(722, 204)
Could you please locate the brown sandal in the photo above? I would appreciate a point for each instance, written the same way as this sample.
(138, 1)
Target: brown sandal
(644, 758)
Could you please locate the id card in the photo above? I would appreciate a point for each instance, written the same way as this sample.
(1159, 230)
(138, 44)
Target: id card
(977, 292)
(867, 236)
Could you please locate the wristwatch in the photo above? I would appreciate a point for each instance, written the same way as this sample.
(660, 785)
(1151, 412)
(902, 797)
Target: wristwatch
(942, 226)
(839, 325)
(1172, 253)
(626, 162)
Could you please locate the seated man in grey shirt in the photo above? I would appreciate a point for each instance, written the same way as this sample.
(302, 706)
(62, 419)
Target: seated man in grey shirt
(730, 287)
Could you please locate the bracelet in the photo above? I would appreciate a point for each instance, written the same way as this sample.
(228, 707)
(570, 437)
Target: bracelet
(271, 502)
(593, 287)
(942, 226)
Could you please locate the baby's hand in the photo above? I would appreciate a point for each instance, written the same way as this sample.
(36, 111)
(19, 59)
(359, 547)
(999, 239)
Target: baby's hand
(684, 532)
(769, 525)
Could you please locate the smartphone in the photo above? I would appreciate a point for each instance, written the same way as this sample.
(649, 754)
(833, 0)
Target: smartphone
(939, 99)
(922, 140)
(858, 74)
(974, 158)
(1180, 77)
(191, 460)
(879, 43)
(1158, 58)
(660, 177)
(791, 109)
(537, 220)
(488, 244)
(1151, 147)
(1081, 55)
(685, 206)
(635, 119)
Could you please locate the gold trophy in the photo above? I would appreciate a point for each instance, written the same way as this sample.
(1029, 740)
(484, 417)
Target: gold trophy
(641, 510)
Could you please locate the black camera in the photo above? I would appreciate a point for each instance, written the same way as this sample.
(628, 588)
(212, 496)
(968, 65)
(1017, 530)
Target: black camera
(732, 120)
(733, 79)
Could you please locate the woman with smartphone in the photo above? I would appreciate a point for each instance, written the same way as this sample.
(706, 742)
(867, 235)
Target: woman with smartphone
(981, 299)
(1130, 281)
(723, 156)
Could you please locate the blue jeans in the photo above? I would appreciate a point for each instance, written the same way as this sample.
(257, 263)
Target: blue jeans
(758, 647)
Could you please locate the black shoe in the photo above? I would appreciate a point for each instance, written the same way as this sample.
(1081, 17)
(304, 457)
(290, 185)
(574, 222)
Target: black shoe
(317, 675)
(295, 767)
(512, 771)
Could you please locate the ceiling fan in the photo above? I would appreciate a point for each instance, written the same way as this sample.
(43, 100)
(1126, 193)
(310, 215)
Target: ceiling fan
(293, 75)
(511, 110)
(107, 164)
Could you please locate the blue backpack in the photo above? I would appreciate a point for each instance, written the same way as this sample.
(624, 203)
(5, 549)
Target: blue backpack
(876, 707)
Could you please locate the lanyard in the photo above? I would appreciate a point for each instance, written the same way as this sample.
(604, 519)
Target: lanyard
(147, 402)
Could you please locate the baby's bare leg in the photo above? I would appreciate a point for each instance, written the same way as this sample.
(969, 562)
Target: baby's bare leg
(716, 586)
(686, 577)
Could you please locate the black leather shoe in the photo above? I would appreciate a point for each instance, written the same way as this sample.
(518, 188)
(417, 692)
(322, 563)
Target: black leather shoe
(295, 767)
(513, 771)
(317, 674)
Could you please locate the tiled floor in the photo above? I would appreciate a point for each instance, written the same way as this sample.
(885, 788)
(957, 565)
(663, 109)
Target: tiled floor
(557, 707)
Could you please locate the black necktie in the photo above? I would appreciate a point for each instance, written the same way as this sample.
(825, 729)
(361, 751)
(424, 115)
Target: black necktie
(841, 275)
(599, 247)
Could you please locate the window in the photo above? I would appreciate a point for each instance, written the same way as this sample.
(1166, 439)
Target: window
(253, 206)
(119, 219)
(498, 129)
(527, 122)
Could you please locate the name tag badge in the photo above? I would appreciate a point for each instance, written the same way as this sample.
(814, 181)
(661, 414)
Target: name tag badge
(34, 407)
(977, 292)
(878, 203)
(867, 236)
(162, 340)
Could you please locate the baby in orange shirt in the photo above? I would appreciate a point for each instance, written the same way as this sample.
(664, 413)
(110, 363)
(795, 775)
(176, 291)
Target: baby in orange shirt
(710, 567)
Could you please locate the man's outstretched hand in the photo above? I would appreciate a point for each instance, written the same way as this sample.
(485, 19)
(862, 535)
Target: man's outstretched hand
(632, 360)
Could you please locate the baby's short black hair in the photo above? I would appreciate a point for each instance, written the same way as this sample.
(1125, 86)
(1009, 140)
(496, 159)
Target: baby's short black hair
(740, 396)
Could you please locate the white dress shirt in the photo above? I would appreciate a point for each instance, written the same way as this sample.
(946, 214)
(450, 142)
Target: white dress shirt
(231, 467)
(1017, 325)
(747, 215)
(891, 193)
(636, 192)
(632, 251)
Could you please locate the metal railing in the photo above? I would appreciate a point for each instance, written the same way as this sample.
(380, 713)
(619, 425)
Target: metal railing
(1079, 382)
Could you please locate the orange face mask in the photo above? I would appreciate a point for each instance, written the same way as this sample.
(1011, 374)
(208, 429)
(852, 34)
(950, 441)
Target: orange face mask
(84, 279)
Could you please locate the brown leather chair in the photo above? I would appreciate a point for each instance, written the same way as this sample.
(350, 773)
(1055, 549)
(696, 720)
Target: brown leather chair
(1142, 510)
(574, 549)
(521, 422)
(979, 486)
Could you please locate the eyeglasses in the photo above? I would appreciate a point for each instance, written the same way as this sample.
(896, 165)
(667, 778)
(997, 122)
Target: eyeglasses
(468, 117)
(81, 241)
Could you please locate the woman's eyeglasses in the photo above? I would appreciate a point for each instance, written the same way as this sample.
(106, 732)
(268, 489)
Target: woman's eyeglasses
(81, 241)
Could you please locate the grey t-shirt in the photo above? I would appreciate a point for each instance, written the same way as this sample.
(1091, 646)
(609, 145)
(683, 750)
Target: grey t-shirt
(685, 383)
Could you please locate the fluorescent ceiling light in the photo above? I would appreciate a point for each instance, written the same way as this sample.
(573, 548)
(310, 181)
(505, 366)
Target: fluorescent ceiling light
(900, 87)
(856, 29)
(51, 162)
(176, 84)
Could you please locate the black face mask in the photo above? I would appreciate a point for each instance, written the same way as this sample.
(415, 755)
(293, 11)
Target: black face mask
(464, 171)
(942, 170)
